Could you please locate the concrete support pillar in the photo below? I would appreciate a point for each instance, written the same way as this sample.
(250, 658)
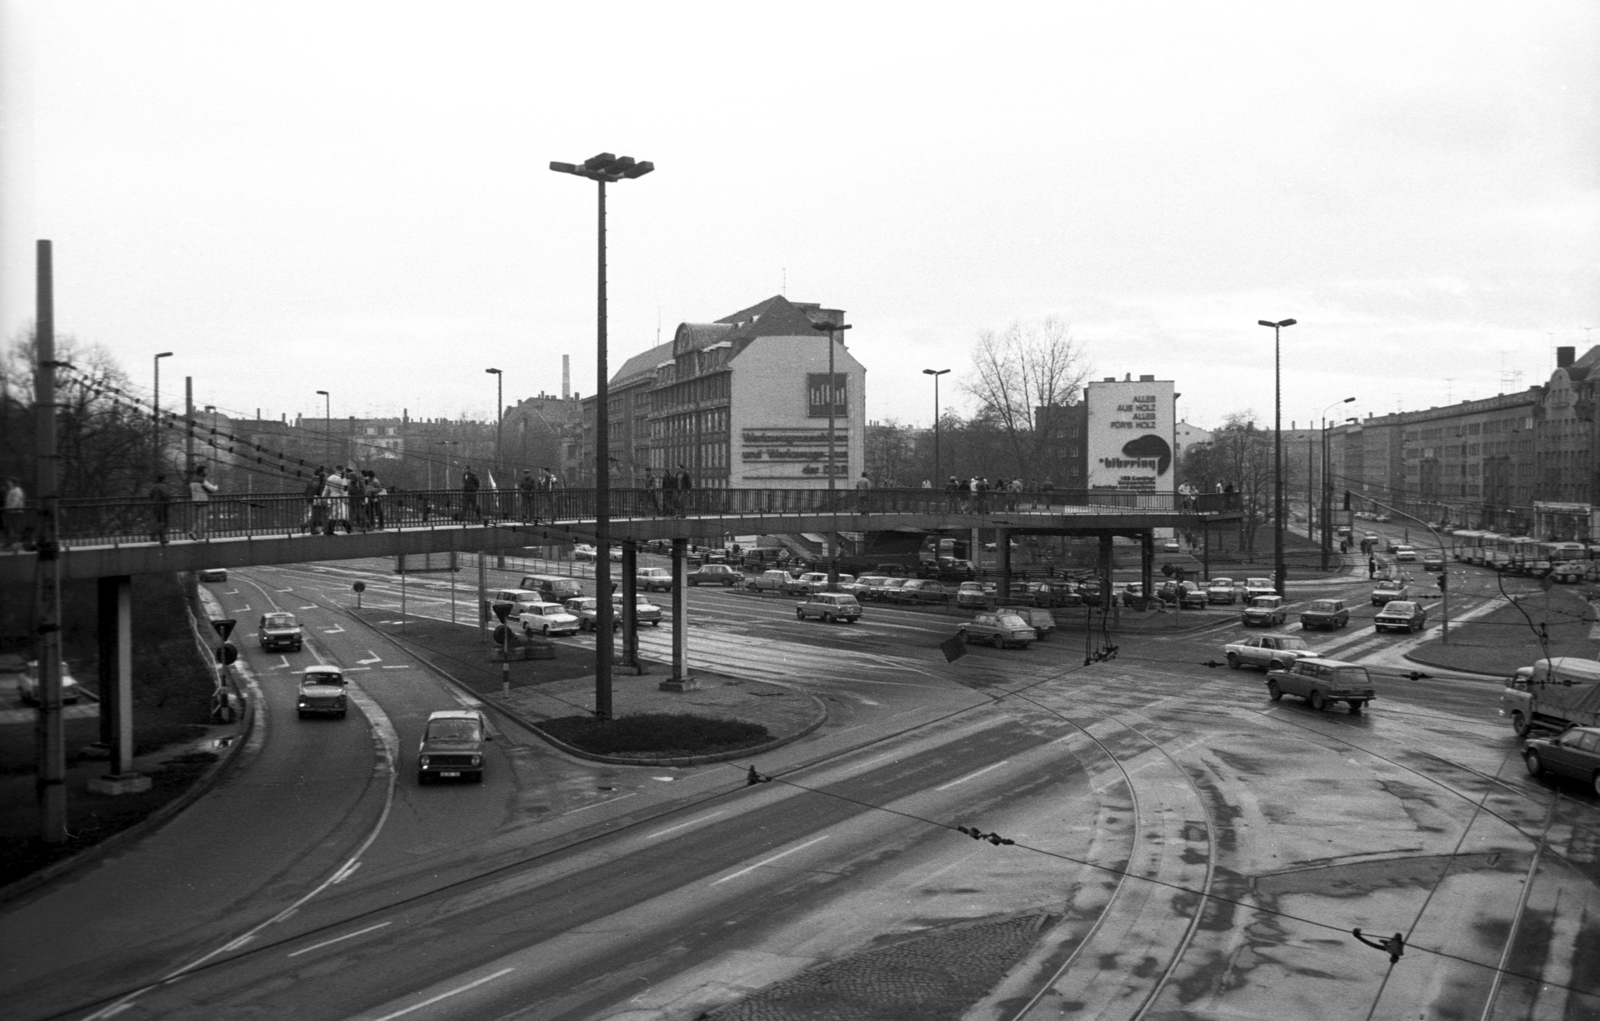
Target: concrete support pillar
(1002, 545)
(116, 687)
(630, 606)
(1107, 561)
(680, 679)
(1147, 562)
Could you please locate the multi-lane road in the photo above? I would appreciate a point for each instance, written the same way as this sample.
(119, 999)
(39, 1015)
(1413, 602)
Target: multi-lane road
(1178, 844)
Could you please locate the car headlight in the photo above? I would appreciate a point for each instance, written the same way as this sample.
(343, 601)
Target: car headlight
(302, 704)
(424, 760)
(475, 760)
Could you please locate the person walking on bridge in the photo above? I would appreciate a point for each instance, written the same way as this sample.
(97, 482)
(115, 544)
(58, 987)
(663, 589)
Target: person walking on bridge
(161, 508)
(200, 490)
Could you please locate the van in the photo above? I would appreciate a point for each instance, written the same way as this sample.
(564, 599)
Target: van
(554, 588)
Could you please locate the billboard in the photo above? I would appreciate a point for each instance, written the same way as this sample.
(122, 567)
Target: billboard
(1130, 435)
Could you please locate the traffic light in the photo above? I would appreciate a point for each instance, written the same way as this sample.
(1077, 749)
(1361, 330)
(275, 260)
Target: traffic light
(1443, 579)
(1347, 499)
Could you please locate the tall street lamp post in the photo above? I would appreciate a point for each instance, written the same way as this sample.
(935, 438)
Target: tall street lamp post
(499, 414)
(938, 476)
(1325, 478)
(155, 462)
(1279, 568)
(327, 424)
(604, 168)
(833, 497)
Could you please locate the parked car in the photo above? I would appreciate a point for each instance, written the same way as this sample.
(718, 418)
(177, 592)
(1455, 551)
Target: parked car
(1221, 590)
(1269, 652)
(885, 593)
(1405, 553)
(1183, 594)
(213, 574)
(1323, 681)
(769, 581)
(1265, 611)
(811, 581)
(553, 588)
(714, 574)
(972, 594)
(1388, 589)
(1401, 615)
(548, 619)
(920, 590)
(644, 611)
(452, 746)
(587, 610)
(1325, 615)
(28, 685)
(322, 692)
(584, 551)
(1042, 621)
(280, 630)
(1055, 593)
(1432, 561)
(859, 585)
(1172, 546)
(1574, 753)
(653, 579)
(517, 599)
(1259, 587)
(829, 607)
(998, 630)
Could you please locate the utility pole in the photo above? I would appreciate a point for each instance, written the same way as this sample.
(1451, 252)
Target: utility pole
(52, 782)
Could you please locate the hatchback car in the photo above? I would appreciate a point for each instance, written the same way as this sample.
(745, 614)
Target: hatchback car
(714, 574)
(1265, 611)
(829, 607)
(998, 630)
(1574, 753)
(1388, 590)
(548, 619)
(452, 746)
(971, 594)
(28, 685)
(322, 692)
(653, 579)
(1325, 615)
(1401, 615)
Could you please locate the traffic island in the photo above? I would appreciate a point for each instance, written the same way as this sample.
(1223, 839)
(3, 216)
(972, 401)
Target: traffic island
(1527, 628)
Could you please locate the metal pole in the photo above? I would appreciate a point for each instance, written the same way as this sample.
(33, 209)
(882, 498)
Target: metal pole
(188, 414)
(155, 448)
(1327, 511)
(938, 474)
(603, 648)
(1279, 568)
(833, 497)
(51, 737)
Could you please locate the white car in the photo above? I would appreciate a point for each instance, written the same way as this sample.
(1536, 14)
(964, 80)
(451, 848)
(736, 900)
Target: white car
(1405, 553)
(547, 619)
(653, 579)
(584, 551)
(28, 685)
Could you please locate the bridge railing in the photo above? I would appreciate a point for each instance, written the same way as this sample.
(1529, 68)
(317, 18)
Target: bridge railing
(116, 521)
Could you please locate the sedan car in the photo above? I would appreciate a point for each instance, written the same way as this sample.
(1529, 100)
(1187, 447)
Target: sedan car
(214, 574)
(1054, 593)
(885, 592)
(1265, 611)
(998, 630)
(587, 610)
(1259, 587)
(1388, 590)
(280, 630)
(1401, 615)
(1574, 753)
(714, 574)
(921, 590)
(1406, 553)
(322, 692)
(972, 594)
(644, 611)
(653, 579)
(28, 685)
(1432, 562)
(1325, 614)
(1269, 652)
(547, 619)
(1042, 621)
(1172, 546)
(1221, 590)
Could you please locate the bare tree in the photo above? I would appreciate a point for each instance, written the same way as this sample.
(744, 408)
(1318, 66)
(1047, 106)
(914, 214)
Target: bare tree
(1019, 371)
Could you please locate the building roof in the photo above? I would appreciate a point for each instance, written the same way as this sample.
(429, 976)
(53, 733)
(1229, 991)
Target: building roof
(775, 317)
(1585, 366)
(642, 365)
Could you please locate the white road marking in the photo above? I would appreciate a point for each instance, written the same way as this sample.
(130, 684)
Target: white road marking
(686, 825)
(335, 630)
(338, 939)
(597, 804)
(375, 658)
(402, 666)
(313, 606)
(769, 861)
(446, 995)
(972, 776)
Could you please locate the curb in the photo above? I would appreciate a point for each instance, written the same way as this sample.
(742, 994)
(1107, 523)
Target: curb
(200, 787)
(562, 746)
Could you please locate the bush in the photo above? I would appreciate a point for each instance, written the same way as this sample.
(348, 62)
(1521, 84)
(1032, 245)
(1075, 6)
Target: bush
(663, 734)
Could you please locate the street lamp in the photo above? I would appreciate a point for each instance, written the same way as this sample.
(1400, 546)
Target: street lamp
(833, 501)
(499, 414)
(604, 168)
(327, 422)
(1327, 510)
(1280, 569)
(937, 474)
(155, 463)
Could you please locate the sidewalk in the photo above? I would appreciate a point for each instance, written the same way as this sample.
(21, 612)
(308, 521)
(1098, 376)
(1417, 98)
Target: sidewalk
(564, 686)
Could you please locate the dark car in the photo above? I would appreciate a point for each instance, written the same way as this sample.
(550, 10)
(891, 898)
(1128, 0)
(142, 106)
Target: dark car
(714, 574)
(1325, 615)
(920, 590)
(1055, 593)
(1401, 615)
(1388, 590)
(1574, 753)
(280, 631)
(214, 574)
(452, 746)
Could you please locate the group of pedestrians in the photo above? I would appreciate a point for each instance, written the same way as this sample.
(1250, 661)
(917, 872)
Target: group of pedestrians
(538, 495)
(196, 508)
(347, 496)
(668, 491)
(978, 494)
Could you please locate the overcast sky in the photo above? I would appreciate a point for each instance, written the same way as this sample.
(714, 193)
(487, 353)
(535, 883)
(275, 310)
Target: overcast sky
(354, 197)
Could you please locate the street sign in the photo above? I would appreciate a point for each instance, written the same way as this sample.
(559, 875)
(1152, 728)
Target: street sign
(224, 628)
(227, 654)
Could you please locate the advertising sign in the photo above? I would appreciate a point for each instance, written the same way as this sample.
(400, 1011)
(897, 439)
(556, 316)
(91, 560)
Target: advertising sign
(817, 395)
(1130, 436)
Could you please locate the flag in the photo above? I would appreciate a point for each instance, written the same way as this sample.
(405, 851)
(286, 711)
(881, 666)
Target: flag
(490, 472)
(953, 648)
